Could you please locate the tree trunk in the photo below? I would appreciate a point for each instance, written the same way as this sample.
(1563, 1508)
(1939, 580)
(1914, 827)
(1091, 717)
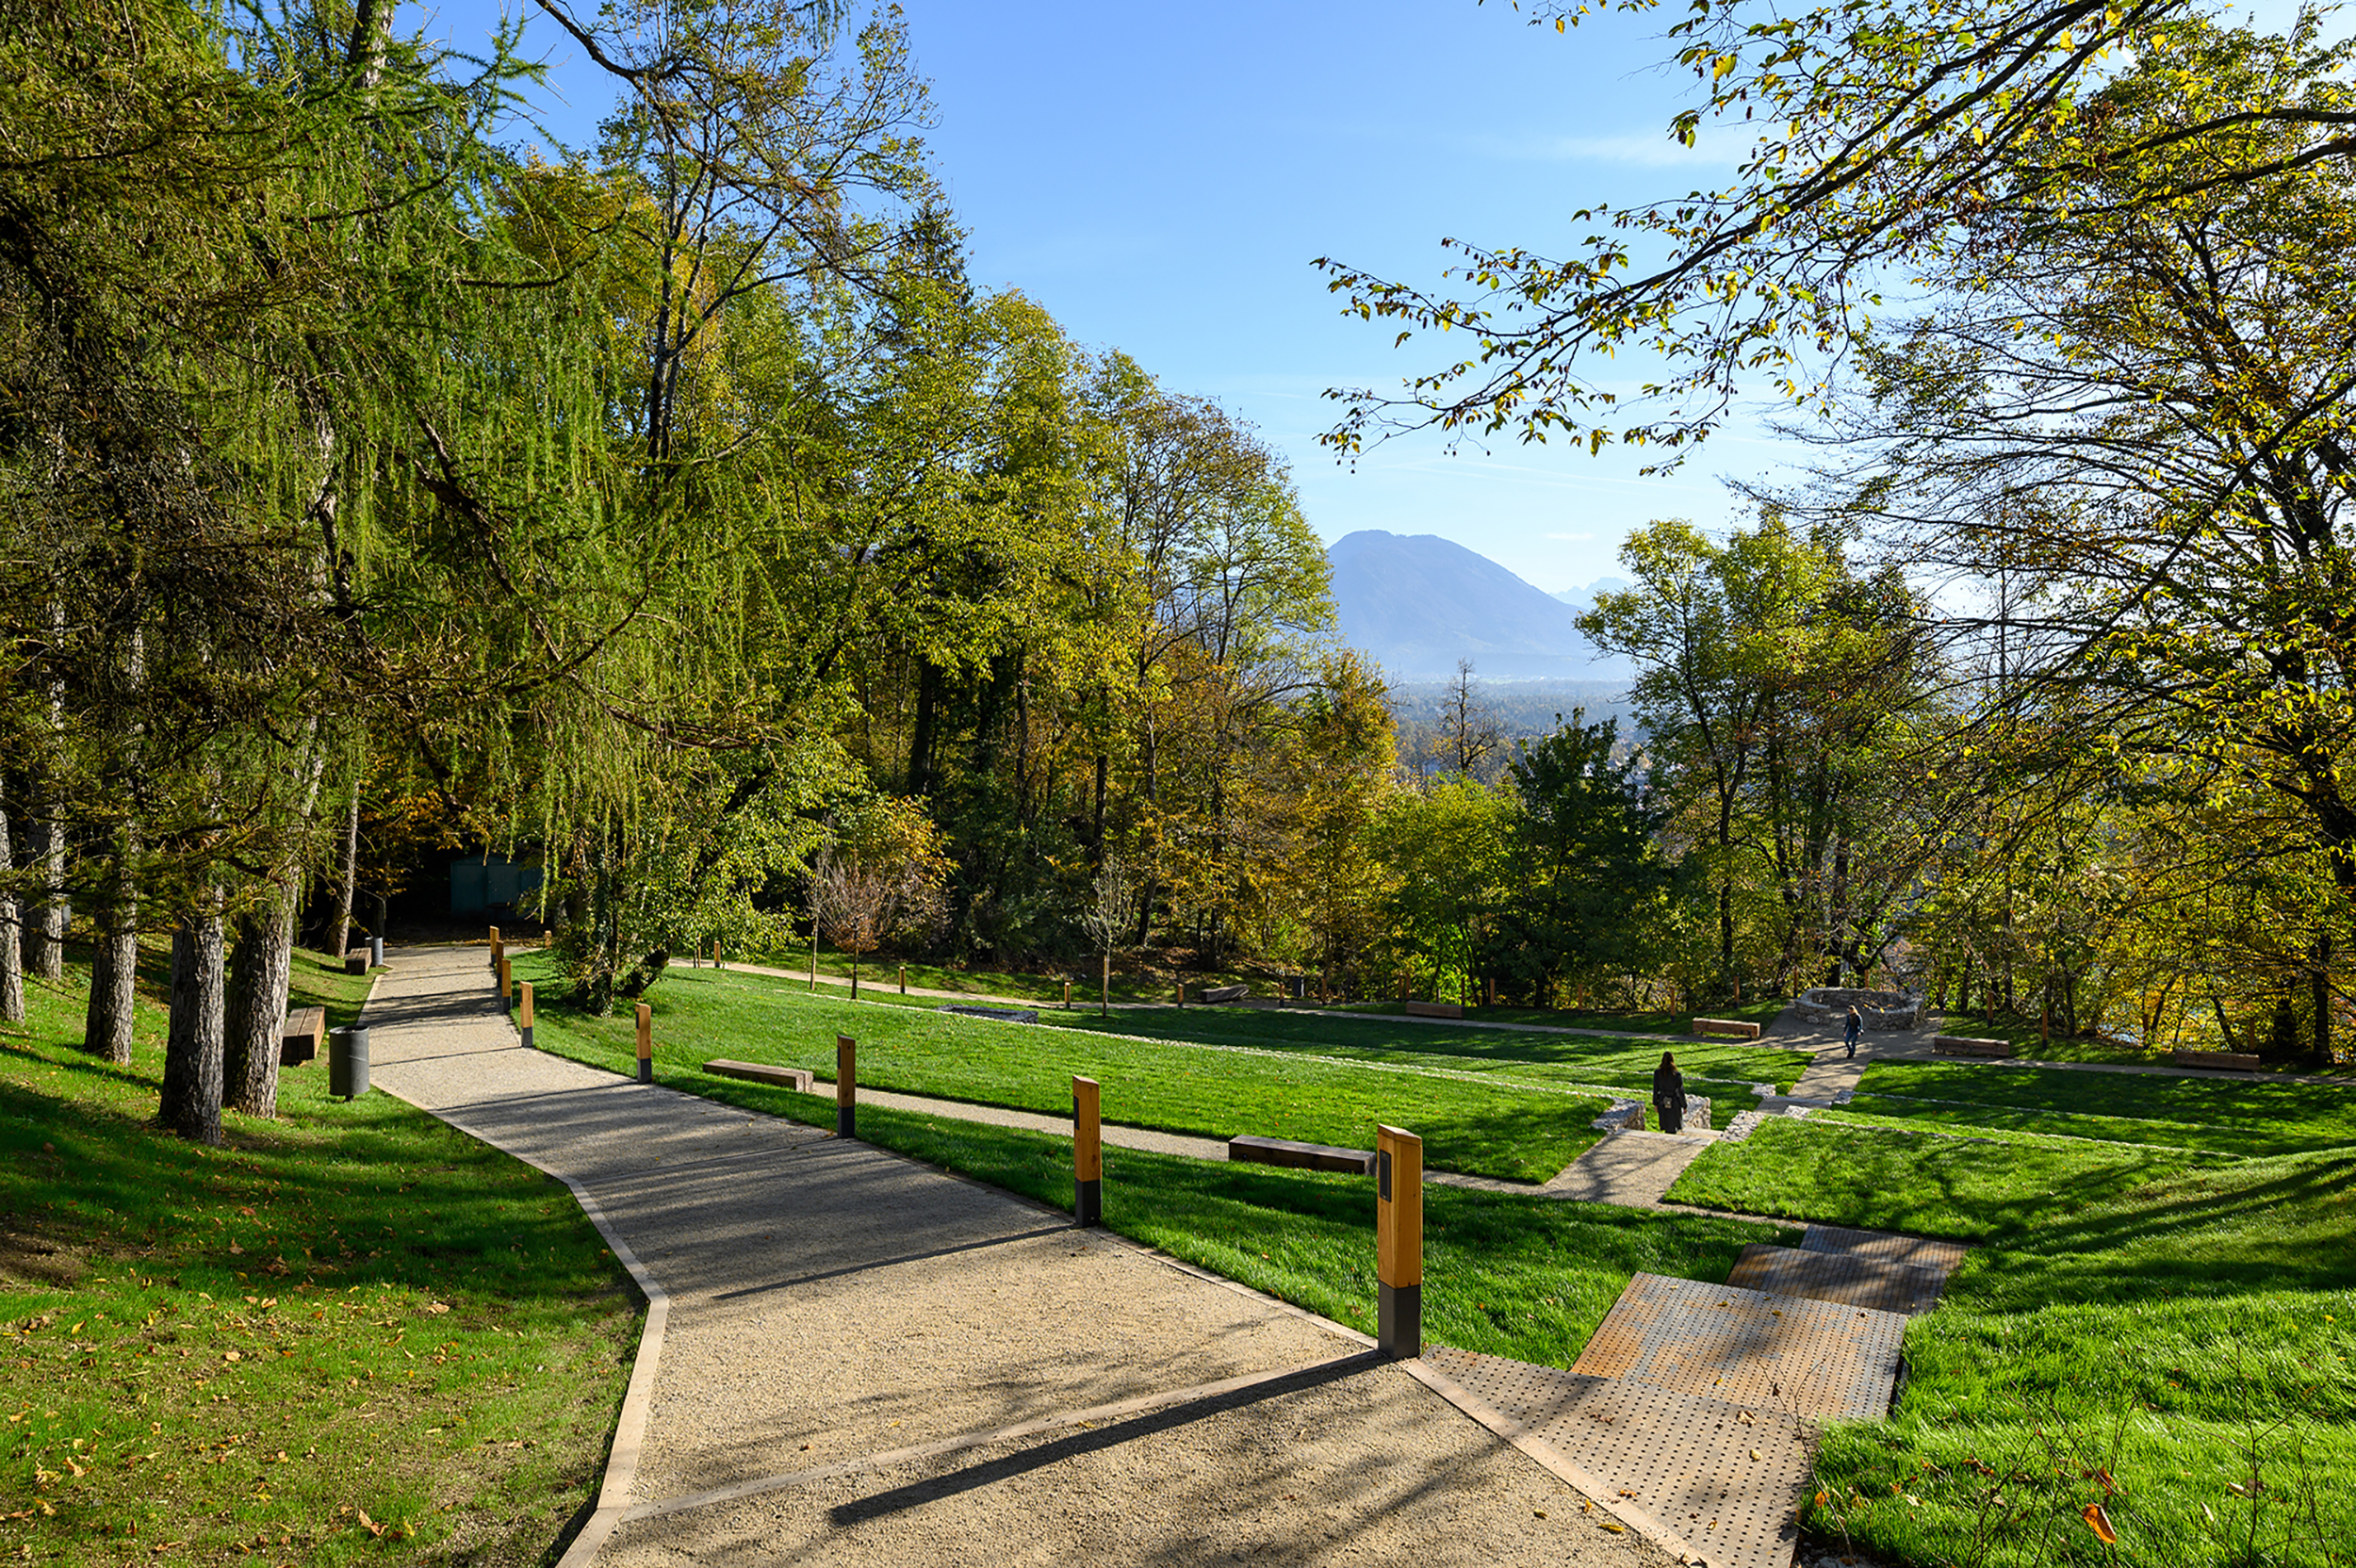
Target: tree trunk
(258, 971)
(339, 924)
(114, 959)
(2320, 1058)
(191, 1100)
(44, 946)
(12, 931)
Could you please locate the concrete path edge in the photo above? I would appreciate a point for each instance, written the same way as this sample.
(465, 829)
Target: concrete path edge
(630, 1428)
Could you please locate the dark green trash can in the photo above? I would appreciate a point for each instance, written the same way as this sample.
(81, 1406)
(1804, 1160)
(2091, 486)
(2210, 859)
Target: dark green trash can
(348, 1063)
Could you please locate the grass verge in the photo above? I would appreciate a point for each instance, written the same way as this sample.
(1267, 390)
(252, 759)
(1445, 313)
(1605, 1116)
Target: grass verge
(2178, 1355)
(2231, 1115)
(1484, 1129)
(1622, 1064)
(1882, 1179)
(348, 1334)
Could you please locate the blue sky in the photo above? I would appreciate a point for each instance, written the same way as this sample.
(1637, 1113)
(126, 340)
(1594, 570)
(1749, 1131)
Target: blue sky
(1160, 179)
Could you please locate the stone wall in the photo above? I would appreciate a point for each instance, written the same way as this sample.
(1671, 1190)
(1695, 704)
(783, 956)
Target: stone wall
(1879, 1009)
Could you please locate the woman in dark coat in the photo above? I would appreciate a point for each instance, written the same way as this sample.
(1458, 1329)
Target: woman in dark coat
(1668, 1094)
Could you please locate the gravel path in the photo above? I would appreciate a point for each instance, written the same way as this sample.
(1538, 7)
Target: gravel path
(854, 1357)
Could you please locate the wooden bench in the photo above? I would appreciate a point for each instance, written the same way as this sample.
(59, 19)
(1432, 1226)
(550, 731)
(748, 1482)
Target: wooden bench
(1958, 1045)
(1435, 1009)
(300, 1035)
(2229, 1061)
(1215, 994)
(1301, 1156)
(357, 961)
(1730, 1026)
(761, 1072)
(1004, 1015)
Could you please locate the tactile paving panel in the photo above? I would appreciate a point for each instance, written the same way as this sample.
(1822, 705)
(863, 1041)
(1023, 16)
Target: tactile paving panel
(1687, 1461)
(1808, 1358)
(1854, 1279)
(1881, 1244)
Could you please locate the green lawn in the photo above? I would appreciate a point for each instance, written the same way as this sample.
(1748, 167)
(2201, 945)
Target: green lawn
(2182, 1337)
(1761, 1013)
(2230, 1115)
(352, 1311)
(1531, 1057)
(1884, 1179)
(1526, 1133)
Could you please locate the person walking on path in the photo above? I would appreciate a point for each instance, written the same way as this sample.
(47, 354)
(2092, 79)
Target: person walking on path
(1854, 1024)
(1668, 1094)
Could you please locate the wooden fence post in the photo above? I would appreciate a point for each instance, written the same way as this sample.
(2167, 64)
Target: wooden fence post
(1398, 1242)
(846, 1087)
(507, 983)
(526, 989)
(646, 1043)
(1087, 1154)
(499, 949)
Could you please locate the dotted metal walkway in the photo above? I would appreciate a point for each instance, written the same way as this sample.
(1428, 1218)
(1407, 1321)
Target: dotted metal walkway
(1692, 1413)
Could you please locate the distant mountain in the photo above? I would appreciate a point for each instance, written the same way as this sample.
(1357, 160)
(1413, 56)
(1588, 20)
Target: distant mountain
(1416, 603)
(1583, 599)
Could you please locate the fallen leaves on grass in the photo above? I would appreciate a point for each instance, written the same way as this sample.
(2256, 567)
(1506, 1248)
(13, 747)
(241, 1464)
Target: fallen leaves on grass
(2100, 1523)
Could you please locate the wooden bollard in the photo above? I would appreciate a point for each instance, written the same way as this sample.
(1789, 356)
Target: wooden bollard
(715, 954)
(499, 949)
(1181, 993)
(524, 1013)
(813, 958)
(1067, 996)
(507, 983)
(1398, 1242)
(904, 979)
(646, 1043)
(1087, 1154)
(846, 1087)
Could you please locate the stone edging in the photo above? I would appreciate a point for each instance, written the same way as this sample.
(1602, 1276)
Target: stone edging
(630, 1428)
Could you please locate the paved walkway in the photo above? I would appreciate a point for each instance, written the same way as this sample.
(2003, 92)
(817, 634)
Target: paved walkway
(852, 1358)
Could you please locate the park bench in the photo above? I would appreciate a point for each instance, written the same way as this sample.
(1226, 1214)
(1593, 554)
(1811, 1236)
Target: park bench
(1301, 1156)
(761, 1072)
(1959, 1045)
(1435, 1009)
(2229, 1061)
(299, 1037)
(1215, 994)
(1004, 1015)
(1732, 1027)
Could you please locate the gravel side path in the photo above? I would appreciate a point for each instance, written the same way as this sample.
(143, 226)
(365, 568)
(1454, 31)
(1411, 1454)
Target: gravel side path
(847, 1337)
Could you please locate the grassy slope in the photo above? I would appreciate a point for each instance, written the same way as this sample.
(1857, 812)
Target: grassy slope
(1523, 1134)
(210, 1352)
(1626, 1063)
(2179, 1336)
(1883, 1179)
(2233, 1115)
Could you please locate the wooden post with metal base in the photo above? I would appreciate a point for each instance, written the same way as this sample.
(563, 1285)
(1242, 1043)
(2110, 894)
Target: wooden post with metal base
(507, 983)
(499, 949)
(1087, 1154)
(1398, 1242)
(846, 1087)
(524, 1012)
(646, 1043)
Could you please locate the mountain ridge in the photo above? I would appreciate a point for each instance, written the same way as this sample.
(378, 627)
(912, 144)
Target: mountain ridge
(1416, 603)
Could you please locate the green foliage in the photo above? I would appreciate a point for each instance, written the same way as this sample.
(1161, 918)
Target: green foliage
(1593, 900)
